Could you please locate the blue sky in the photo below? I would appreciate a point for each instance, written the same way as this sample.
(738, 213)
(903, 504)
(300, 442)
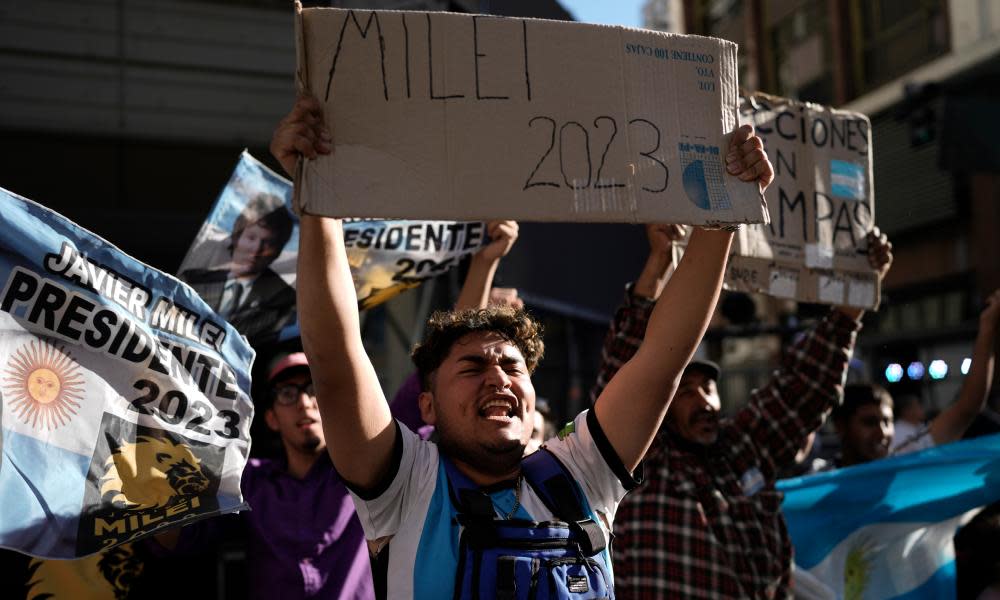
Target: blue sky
(608, 12)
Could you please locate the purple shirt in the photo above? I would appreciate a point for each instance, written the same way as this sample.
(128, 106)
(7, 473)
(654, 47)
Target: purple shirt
(304, 538)
(405, 407)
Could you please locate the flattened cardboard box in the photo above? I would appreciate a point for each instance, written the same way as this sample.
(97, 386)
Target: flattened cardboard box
(821, 204)
(449, 116)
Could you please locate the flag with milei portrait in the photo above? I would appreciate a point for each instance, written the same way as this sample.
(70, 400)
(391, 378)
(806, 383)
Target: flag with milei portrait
(243, 259)
(125, 399)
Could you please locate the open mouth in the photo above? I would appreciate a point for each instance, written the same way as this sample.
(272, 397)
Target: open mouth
(706, 419)
(305, 422)
(499, 408)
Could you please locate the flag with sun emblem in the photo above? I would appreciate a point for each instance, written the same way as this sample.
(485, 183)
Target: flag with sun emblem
(124, 399)
(884, 529)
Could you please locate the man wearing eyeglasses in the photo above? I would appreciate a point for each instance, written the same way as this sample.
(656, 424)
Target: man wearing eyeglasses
(294, 415)
(304, 539)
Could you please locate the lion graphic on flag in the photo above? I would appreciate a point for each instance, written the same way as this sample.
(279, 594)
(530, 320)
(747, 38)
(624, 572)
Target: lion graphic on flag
(150, 473)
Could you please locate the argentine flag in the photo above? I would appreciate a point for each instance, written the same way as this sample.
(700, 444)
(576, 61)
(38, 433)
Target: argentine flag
(884, 529)
(124, 400)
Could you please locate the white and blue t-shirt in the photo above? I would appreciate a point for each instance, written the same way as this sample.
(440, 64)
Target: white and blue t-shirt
(414, 512)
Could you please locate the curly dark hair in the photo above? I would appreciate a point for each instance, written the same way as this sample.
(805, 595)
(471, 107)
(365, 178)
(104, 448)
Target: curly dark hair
(444, 328)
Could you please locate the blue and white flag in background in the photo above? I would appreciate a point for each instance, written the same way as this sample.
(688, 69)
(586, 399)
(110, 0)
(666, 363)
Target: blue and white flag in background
(884, 529)
(124, 400)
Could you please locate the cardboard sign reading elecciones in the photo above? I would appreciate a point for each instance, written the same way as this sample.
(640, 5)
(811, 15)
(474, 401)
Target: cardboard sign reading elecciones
(821, 206)
(448, 116)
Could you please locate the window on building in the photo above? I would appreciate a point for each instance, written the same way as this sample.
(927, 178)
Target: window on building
(896, 36)
(803, 60)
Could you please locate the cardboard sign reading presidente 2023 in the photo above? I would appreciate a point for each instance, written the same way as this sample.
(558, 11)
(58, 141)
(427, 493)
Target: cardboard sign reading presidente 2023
(448, 116)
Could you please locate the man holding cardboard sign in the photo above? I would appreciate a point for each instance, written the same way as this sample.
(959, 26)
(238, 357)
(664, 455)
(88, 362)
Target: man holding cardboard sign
(449, 508)
(708, 514)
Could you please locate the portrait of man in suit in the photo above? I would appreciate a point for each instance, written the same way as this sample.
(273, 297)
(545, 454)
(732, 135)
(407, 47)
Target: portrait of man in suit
(246, 291)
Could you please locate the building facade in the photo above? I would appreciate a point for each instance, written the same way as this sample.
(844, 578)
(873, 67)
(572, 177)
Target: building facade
(926, 72)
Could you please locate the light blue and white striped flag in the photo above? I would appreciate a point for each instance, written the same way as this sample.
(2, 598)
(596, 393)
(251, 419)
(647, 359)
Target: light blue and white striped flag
(124, 400)
(884, 529)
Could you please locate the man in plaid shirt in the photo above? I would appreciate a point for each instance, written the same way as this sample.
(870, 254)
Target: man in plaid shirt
(707, 521)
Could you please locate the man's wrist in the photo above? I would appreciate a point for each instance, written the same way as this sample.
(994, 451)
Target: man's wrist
(657, 263)
(635, 299)
(481, 259)
(645, 292)
(651, 279)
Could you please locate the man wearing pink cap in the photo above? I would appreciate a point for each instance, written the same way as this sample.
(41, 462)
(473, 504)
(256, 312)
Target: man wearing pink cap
(304, 539)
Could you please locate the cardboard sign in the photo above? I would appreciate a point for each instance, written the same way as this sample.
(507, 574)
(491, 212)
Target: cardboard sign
(821, 206)
(821, 203)
(471, 117)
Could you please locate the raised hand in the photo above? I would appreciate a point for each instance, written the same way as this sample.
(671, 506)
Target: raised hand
(661, 236)
(879, 252)
(746, 158)
(301, 133)
(502, 234)
(653, 277)
(483, 266)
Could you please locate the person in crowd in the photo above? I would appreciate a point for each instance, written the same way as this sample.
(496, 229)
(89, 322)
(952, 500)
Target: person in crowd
(477, 292)
(475, 368)
(977, 556)
(303, 537)
(707, 521)
(544, 428)
(910, 418)
(246, 292)
(864, 421)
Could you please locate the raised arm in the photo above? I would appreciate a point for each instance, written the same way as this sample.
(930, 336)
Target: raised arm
(951, 424)
(880, 259)
(628, 326)
(483, 265)
(810, 379)
(356, 421)
(656, 271)
(632, 406)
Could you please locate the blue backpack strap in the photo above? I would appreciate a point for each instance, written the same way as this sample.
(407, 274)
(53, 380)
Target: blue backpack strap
(465, 495)
(561, 495)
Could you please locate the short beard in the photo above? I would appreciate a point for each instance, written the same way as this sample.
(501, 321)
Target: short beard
(311, 445)
(491, 461)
